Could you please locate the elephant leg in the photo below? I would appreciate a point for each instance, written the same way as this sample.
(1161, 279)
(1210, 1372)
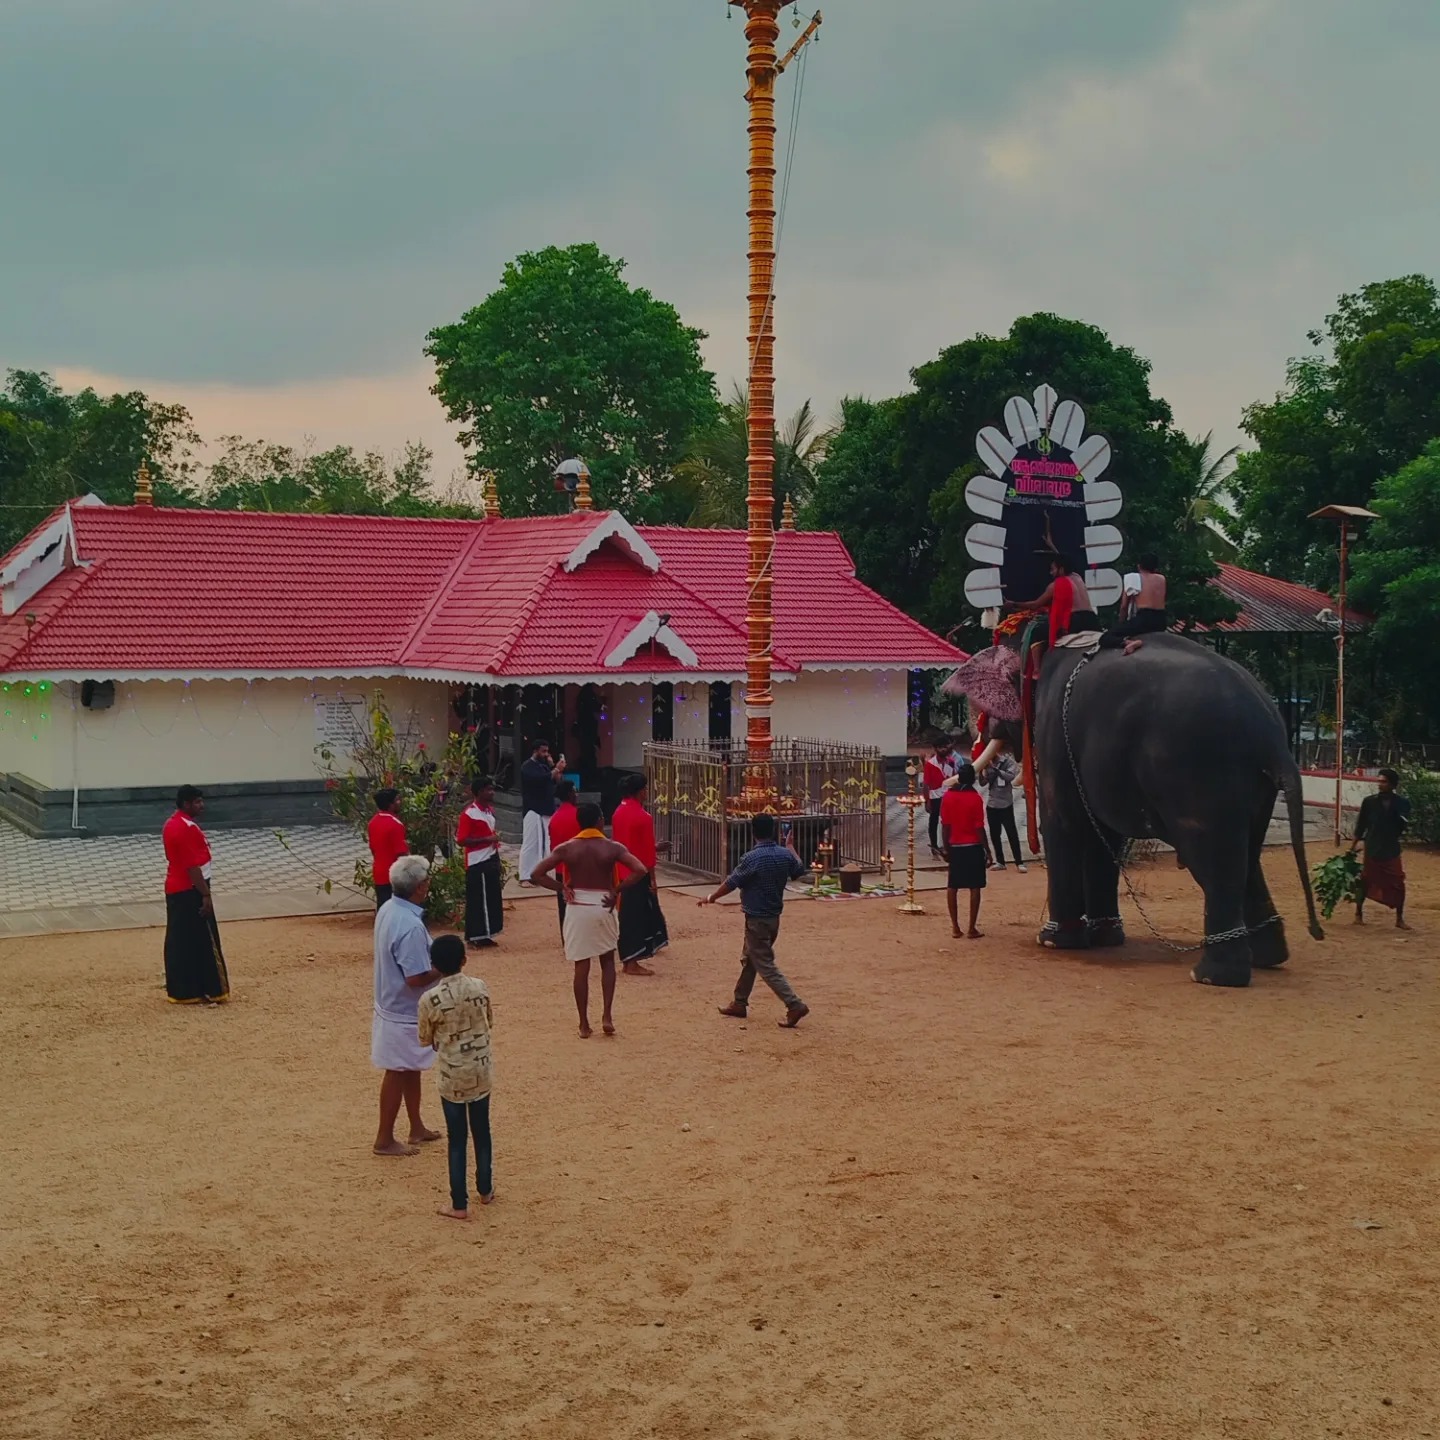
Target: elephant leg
(1223, 871)
(1268, 947)
(1065, 871)
(1102, 891)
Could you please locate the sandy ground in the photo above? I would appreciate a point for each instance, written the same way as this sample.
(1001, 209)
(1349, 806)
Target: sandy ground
(983, 1191)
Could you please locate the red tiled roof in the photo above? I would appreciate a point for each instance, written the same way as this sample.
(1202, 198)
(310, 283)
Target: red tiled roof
(1275, 607)
(212, 592)
(823, 614)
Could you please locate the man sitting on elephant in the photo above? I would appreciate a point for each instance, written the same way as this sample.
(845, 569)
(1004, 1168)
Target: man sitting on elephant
(1066, 598)
(1141, 613)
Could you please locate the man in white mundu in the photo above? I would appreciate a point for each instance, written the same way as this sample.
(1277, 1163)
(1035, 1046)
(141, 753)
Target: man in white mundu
(538, 778)
(591, 928)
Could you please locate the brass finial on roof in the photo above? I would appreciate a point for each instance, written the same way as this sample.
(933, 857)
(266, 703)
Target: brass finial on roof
(582, 491)
(144, 493)
(490, 496)
(787, 515)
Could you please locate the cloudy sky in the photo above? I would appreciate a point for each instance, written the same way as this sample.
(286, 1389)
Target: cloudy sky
(259, 207)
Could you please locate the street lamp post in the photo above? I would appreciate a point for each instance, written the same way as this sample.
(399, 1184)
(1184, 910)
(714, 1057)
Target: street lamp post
(1346, 515)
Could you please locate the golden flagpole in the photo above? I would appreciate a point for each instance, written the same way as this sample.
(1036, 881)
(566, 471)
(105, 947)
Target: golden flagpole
(763, 67)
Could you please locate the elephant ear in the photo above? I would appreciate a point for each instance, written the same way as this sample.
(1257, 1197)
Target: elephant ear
(990, 681)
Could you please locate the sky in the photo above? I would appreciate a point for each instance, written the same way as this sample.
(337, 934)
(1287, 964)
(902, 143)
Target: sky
(259, 208)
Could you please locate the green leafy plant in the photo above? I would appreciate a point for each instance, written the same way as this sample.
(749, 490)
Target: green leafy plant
(433, 790)
(1337, 881)
(1421, 788)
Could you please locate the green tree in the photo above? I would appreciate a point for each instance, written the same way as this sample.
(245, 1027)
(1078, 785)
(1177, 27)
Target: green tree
(1360, 407)
(893, 481)
(1207, 514)
(56, 447)
(565, 359)
(1397, 579)
(257, 475)
(716, 472)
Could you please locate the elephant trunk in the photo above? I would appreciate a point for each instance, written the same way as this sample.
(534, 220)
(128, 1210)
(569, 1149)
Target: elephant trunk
(988, 754)
(1295, 805)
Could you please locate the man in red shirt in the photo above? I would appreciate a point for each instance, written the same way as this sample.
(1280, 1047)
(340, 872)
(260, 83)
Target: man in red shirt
(938, 768)
(388, 841)
(643, 932)
(479, 841)
(564, 826)
(962, 817)
(194, 965)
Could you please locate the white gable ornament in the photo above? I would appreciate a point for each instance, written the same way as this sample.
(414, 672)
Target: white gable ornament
(1043, 492)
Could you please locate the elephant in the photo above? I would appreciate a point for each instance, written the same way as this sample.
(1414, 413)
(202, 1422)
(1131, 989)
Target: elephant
(1174, 743)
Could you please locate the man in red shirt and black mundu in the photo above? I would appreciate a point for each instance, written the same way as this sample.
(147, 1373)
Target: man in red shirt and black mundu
(479, 842)
(962, 818)
(388, 841)
(195, 971)
(1066, 598)
(643, 932)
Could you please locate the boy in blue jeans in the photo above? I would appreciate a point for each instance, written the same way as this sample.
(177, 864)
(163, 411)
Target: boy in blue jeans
(455, 1019)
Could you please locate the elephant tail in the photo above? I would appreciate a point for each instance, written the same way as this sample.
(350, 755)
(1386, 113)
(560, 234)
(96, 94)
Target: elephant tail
(1295, 806)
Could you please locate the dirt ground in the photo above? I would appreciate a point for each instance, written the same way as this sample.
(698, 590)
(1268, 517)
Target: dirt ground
(984, 1191)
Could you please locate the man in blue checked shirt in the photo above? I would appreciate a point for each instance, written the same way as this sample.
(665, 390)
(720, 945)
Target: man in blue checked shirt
(761, 878)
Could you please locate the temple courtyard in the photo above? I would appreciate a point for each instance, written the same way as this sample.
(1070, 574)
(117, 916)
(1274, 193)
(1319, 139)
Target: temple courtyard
(983, 1191)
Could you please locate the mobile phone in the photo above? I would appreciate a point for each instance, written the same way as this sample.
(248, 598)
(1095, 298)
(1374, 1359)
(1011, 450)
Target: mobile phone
(787, 831)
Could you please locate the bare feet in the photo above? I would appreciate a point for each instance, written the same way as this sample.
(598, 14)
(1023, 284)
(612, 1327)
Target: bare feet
(423, 1137)
(488, 1199)
(634, 967)
(450, 1213)
(586, 1032)
(957, 934)
(1359, 919)
(734, 1010)
(608, 1027)
(1402, 924)
(794, 1016)
(1131, 646)
(976, 934)
(396, 1149)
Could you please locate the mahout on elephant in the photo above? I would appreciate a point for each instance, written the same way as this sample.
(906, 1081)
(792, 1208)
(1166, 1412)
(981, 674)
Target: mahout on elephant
(1174, 743)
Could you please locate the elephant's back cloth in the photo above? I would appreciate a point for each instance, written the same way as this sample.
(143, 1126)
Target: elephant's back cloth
(1083, 640)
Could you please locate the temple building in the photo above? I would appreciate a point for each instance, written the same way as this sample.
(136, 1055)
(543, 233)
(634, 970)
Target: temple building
(142, 648)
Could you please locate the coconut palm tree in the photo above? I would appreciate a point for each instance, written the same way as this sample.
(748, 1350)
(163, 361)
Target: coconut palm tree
(717, 465)
(1207, 512)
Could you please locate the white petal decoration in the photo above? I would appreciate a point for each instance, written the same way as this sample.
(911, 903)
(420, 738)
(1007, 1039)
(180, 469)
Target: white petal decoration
(1068, 427)
(982, 589)
(1103, 501)
(986, 543)
(1092, 458)
(1021, 421)
(1045, 402)
(1103, 543)
(1104, 587)
(996, 451)
(985, 496)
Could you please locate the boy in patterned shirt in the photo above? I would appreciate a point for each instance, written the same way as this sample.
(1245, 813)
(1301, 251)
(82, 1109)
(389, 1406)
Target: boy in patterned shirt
(455, 1018)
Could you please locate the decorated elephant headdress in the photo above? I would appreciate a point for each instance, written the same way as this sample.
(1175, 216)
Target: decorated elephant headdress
(1043, 494)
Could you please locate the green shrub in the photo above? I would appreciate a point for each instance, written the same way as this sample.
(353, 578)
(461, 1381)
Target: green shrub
(1422, 789)
(433, 792)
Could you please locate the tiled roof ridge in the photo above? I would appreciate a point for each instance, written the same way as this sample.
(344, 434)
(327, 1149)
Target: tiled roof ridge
(522, 618)
(440, 594)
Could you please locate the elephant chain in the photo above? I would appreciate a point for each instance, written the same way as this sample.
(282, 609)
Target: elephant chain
(1240, 932)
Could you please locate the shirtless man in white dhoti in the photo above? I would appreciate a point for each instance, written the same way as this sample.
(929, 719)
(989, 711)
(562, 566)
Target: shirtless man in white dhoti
(592, 928)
